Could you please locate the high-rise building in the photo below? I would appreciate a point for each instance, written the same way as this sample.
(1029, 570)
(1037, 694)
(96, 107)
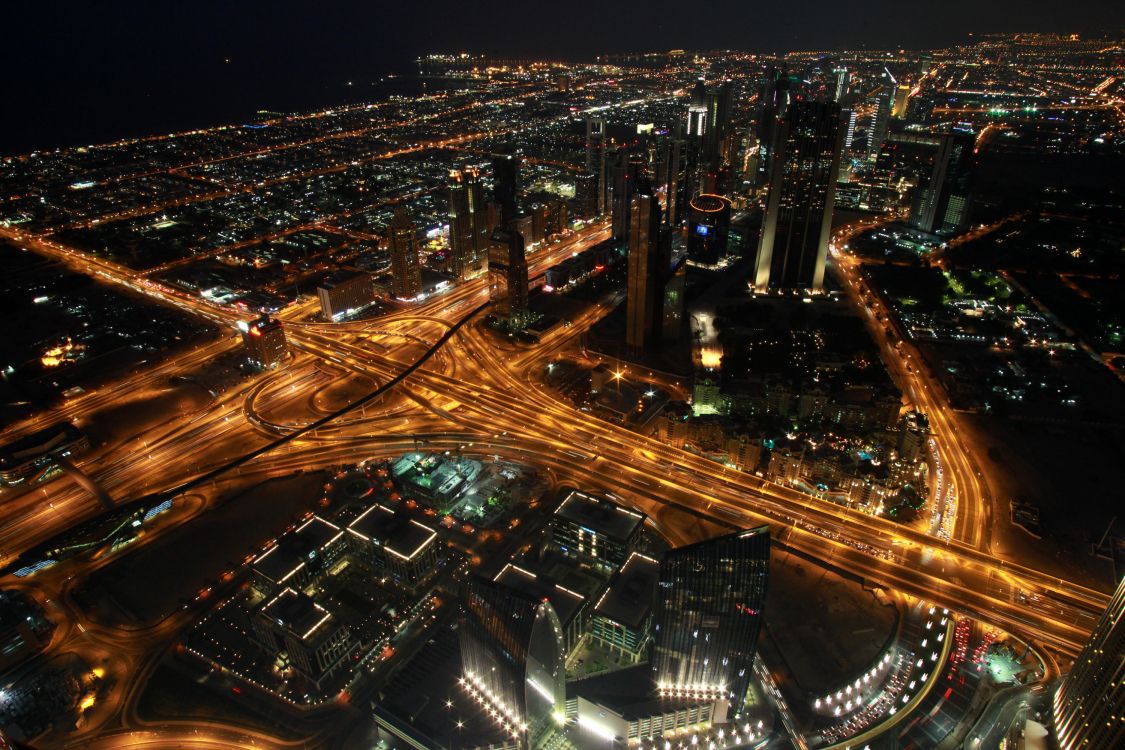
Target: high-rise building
(595, 531)
(1090, 704)
(942, 207)
(709, 614)
(507, 276)
(596, 161)
(406, 271)
(881, 117)
(345, 292)
(793, 246)
(512, 654)
(697, 110)
(720, 105)
(675, 169)
(708, 227)
(468, 223)
(264, 340)
(505, 185)
(774, 106)
(650, 251)
(843, 78)
(586, 195)
(626, 172)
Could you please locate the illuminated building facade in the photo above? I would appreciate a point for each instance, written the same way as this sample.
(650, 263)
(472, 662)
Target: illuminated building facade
(264, 340)
(406, 271)
(595, 531)
(512, 657)
(596, 163)
(1090, 703)
(391, 543)
(468, 223)
(793, 246)
(708, 228)
(505, 182)
(708, 615)
(649, 259)
(303, 634)
(345, 292)
(622, 618)
(942, 207)
(507, 276)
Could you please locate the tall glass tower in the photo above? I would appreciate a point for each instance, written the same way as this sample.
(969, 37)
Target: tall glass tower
(1090, 703)
(709, 614)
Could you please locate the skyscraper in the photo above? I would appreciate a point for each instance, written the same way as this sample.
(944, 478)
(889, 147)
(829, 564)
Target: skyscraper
(512, 657)
(774, 106)
(586, 195)
(709, 614)
(626, 172)
(843, 78)
(942, 207)
(596, 161)
(507, 276)
(649, 259)
(884, 103)
(505, 187)
(406, 273)
(708, 227)
(468, 223)
(1090, 703)
(793, 245)
(697, 110)
(675, 169)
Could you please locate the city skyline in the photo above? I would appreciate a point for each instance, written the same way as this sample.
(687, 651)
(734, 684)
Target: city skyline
(634, 401)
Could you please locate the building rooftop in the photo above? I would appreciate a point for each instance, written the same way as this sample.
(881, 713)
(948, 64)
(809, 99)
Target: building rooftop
(566, 602)
(299, 614)
(297, 549)
(629, 598)
(395, 532)
(600, 515)
(341, 278)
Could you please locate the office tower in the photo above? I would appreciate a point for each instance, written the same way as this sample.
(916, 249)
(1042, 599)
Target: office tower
(594, 531)
(626, 171)
(596, 161)
(406, 271)
(697, 110)
(649, 260)
(942, 207)
(708, 227)
(674, 186)
(505, 186)
(586, 195)
(793, 245)
(720, 103)
(775, 104)
(849, 117)
(884, 103)
(264, 340)
(344, 292)
(708, 615)
(468, 223)
(902, 98)
(562, 83)
(512, 658)
(1090, 703)
(507, 276)
(843, 78)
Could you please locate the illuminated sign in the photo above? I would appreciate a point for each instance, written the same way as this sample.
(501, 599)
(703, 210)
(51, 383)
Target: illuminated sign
(702, 230)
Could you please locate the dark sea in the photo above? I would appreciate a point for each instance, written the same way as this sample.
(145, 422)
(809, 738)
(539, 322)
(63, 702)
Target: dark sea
(127, 104)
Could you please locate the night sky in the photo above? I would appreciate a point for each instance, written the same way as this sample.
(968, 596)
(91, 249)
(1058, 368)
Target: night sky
(82, 72)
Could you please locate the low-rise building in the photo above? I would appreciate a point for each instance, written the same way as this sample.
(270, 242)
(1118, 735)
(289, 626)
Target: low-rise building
(595, 531)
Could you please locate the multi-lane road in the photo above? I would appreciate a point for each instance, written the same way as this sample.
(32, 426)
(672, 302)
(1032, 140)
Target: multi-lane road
(474, 393)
